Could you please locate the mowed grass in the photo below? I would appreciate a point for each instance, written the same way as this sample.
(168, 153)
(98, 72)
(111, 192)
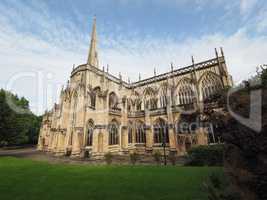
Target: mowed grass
(26, 179)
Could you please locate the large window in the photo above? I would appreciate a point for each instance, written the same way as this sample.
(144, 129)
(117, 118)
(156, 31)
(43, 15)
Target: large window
(186, 94)
(130, 134)
(163, 91)
(90, 137)
(161, 132)
(90, 131)
(140, 133)
(92, 96)
(135, 101)
(163, 101)
(138, 105)
(210, 85)
(92, 99)
(74, 111)
(150, 100)
(71, 138)
(113, 101)
(113, 134)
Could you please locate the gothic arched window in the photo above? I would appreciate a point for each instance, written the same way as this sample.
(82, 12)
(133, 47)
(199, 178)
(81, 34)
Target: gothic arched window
(163, 95)
(185, 92)
(92, 96)
(140, 134)
(150, 100)
(163, 101)
(130, 133)
(113, 133)
(161, 132)
(90, 132)
(138, 105)
(113, 101)
(74, 111)
(210, 85)
(135, 102)
(92, 99)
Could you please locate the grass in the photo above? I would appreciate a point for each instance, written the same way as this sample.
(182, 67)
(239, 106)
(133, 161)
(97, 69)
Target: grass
(26, 179)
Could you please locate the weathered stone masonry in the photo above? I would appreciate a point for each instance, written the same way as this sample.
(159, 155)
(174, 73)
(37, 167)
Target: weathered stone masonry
(101, 113)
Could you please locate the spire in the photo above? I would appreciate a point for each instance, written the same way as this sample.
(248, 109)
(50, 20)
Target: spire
(92, 57)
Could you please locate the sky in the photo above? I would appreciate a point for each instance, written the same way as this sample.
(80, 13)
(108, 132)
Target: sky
(40, 41)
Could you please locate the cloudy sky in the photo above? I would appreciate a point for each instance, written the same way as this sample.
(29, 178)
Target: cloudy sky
(41, 40)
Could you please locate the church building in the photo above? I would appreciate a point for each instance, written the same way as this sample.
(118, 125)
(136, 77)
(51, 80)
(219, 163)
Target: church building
(99, 113)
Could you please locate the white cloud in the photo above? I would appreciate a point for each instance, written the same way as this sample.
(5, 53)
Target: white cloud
(243, 54)
(247, 5)
(261, 21)
(62, 46)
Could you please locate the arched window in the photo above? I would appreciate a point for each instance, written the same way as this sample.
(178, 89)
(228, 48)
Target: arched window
(140, 134)
(163, 95)
(92, 96)
(185, 92)
(135, 102)
(129, 105)
(71, 138)
(210, 85)
(163, 101)
(130, 133)
(92, 99)
(138, 105)
(161, 132)
(113, 133)
(154, 103)
(90, 131)
(150, 100)
(113, 101)
(75, 105)
(147, 104)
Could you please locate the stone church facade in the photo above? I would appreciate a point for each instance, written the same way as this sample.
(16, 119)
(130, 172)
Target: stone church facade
(99, 113)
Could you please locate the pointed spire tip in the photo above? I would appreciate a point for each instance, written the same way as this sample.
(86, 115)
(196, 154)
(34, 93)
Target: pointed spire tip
(93, 55)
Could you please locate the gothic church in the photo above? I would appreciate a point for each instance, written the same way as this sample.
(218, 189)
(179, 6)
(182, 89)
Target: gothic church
(99, 113)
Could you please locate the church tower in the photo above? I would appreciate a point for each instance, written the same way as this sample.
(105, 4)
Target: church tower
(93, 57)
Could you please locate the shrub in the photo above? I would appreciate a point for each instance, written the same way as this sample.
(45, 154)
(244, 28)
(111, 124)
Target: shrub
(157, 157)
(108, 158)
(211, 155)
(172, 158)
(134, 157)
(218, 187)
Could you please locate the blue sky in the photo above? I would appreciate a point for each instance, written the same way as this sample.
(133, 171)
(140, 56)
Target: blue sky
(45, 38)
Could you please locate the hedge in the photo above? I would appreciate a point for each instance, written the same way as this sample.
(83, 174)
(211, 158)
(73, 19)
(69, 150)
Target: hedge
(208, 155)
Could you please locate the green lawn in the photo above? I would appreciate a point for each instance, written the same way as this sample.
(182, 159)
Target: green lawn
(26, 179)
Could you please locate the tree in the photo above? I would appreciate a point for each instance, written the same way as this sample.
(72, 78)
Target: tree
(15, 128)
(245, 154)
